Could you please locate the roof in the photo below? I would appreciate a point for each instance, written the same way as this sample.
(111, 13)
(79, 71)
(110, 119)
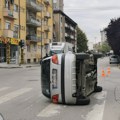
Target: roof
(67, 17)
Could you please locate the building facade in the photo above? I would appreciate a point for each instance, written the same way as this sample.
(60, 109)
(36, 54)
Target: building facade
(58, 5)
(39, 29)
(12, 29)
(29, 21)
(103, 36)
(64, 28)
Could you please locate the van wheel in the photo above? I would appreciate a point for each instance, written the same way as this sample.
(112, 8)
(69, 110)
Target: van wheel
(97, 89)
(83, 101)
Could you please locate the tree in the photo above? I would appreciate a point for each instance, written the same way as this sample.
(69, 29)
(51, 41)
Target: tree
(113, 35)
(104, 47)
(81, 41)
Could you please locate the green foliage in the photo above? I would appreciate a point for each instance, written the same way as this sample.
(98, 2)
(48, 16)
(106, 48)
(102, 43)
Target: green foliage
(113, 35)
(81, 41)
(104, 47)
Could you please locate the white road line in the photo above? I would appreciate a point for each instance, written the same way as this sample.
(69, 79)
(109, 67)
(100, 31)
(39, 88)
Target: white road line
(98, 109)
(4, 88)
(14, 94)
(50, 110)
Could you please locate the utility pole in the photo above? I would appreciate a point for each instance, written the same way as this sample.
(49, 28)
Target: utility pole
(20, 48)
(41, 27)
(8, 51)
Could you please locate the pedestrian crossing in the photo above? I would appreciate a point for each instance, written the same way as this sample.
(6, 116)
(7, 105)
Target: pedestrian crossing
(12, 95)
(51, 110)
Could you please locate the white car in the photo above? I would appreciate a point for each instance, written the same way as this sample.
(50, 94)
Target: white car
(69, 78)
(114, 59)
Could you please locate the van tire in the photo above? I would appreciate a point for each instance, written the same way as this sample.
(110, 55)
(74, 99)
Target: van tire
(83, 101)
(97, 89)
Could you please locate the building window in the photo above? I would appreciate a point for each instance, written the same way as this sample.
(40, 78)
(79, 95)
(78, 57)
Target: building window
(61, 19)
(7, 4)
(28, 61)
(34, 47)
(28, 48)
(16, 30)
(7, 25)
(12, 1)
(16, 8)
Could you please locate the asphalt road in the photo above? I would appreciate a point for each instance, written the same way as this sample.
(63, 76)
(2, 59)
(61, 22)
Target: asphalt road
(21, 98)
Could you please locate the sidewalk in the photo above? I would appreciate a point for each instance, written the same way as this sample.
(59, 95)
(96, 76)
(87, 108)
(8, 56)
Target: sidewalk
(9, 66)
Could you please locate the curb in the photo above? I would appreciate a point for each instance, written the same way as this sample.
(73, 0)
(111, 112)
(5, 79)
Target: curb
(10, 67)
(18, 67)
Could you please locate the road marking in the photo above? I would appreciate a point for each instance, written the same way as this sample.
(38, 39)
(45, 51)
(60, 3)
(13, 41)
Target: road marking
(50, 110)
(14, 94)
(98, 109)
(4, 88)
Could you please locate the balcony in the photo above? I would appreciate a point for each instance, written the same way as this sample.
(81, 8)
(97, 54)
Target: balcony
(10, 14)
(33, 22)
(33, 6)
(46, 41)
(66, 25)
(47, 2)
(72, 37)
(8, 33)
(66, 35)
(15, 35)
(46, 28)
(47, 15)
(33, 38)
(72, 28)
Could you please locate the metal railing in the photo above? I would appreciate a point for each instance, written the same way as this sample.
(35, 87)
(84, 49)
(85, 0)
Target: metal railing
(33, 38)
(33, 22)
(33, 6)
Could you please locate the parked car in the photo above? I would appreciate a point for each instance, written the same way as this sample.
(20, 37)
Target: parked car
(114, 59)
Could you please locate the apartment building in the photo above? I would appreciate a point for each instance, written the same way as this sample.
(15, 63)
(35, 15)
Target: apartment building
(58, 5)
(64, 28)
(32, 23)
(11, 28)
(48, 25)
(39, 29)
(103, 36)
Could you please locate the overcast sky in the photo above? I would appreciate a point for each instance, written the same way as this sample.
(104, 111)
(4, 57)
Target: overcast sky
(92, 15)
